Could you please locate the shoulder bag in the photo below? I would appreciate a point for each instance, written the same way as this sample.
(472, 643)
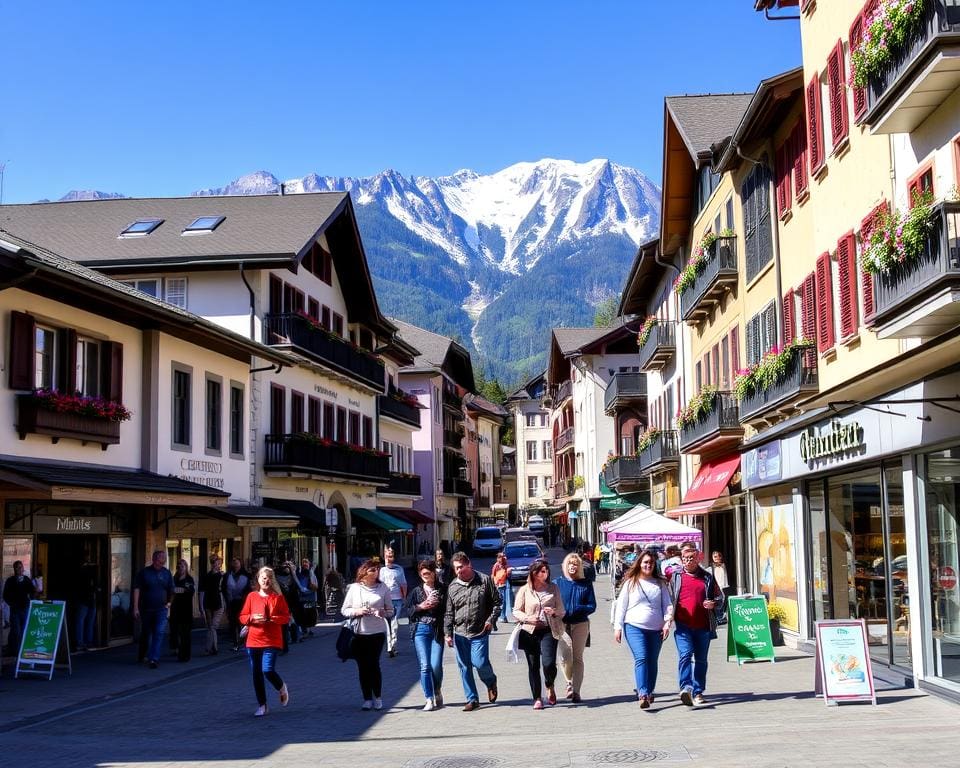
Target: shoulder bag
(348, 632)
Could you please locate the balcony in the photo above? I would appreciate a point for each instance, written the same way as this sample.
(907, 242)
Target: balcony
(564, 392)
(297, 453)
(662, 454)
(35, 420)
(777, 400)
(565, 440)
(623, 472)
(922, 299)
(453, 402)
(292, 330)
(408, 485)
(719, 275)
(564, 488)
(455, 486)
(452, 439)
(921, 76)
(659, 347)
(720, 428)
(508, 468)
(395, 407)
(625, 389)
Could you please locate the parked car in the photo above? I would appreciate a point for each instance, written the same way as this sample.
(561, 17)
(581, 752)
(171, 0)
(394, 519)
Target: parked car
(488, 539)
(520, 554)
(535, 523)
(518, 534)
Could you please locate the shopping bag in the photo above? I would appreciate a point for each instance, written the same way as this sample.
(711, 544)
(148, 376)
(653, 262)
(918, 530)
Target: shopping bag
(513, 645)
(564, 648)
(348, 631)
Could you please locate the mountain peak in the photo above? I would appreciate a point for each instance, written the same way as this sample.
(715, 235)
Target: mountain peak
(89, 194)
(256, 183)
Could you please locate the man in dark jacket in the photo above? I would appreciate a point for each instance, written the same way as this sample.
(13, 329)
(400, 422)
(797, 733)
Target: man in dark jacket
(695, 596)
(18, 591)
(473, 603)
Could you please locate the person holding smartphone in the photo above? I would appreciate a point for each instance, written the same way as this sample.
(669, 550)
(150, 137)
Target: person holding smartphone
(368, 600)
(425, 607)
(265, 614)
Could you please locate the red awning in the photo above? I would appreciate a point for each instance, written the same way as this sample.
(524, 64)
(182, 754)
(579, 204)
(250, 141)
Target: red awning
(414, 516)
(711, 481)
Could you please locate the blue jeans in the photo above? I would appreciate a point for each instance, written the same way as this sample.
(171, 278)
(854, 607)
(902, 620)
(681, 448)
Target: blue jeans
(474, 653)
(695, 644)
(506, 600)
(86, 619)
(645, 646)
(430, 655)
(262, 661)
(154, 625)
(393, 626)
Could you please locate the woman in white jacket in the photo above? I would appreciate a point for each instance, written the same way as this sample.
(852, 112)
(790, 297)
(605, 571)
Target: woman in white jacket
(644, 612)
(368, 599)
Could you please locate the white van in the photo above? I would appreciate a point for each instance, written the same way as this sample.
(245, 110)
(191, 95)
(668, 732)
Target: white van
(536, 525)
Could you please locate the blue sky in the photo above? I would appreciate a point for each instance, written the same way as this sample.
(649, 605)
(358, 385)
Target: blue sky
(165, 98)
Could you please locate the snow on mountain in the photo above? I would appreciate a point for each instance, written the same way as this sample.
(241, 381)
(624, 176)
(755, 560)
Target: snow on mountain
(89, 194)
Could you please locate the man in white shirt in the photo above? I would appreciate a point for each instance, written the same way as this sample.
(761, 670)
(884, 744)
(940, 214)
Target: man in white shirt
(393, 576)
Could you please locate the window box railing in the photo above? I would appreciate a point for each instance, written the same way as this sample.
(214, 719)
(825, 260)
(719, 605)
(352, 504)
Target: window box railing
(800, 377)
(662, 452)
(298, 453)
(396, 408)
(721, 423)
(565, 439)
(405, 484)
(624, 389)
(455, 486)
(916, 68)
(564, 391)
(296, 330)
(33, 419)
(900, 290)
(660, 346)
(564, 488)
(623, 470)
(452, 439)
(719, 275)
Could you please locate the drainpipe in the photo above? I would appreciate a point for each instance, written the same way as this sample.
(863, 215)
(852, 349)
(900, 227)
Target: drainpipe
(775, 240)
(253, 325)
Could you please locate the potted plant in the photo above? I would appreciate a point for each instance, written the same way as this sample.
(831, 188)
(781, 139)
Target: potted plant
(699, 407)
(645, 330)
(648, 438)
(776, 613)
(899, 239)
(885, 33)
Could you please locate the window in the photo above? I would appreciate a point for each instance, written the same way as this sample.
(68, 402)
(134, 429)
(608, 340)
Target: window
(544, 419)
(367, 432)
(728, 214)
(325, 317)
(531, 419)
(149, 286)
(866, 281)
(236, 420)
(707, 369)
(314, 409)
(175, 291)
(181, 406)
(329, 425)
(353, 427)
(548, 482)
(296, 412)
(707, 181)
(547, 450)
(45, 349)
(338, 325)
(533, 485)
(203, 224)
(278, 410)
(784, 177)
(436, 404)
(214, 413)
(814, 125)
(141, 227)
(919, 184)
(755, 194)
(856, 37)
(313, 309)
(808, 307)
(532, 450)
(341, 424)
(716, 366)
(800, 177)
(727, 372)
(761, 333)
(789, 317)
(699, 375)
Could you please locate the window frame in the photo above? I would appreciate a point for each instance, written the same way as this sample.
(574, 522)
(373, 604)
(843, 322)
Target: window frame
(237, 430)
(181, 369)
(213, 422)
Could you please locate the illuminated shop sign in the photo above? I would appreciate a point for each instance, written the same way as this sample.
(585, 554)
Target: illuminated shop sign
(836, 440)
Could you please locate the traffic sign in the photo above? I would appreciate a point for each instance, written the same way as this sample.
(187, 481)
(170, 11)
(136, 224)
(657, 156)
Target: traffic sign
(947, 577)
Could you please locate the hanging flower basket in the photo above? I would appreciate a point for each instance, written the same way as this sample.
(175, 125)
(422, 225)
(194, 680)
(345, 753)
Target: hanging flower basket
(645, 330)
(884, 36)
(700, 406)
(92, 407)
(648, 438)
(899, 239)
(698, 261)
(770, 370)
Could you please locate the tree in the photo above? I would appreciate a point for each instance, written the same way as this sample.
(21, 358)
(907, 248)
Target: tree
(606, 312)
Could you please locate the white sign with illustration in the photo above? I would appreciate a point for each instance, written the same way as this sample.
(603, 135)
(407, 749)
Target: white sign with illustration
(843, 671)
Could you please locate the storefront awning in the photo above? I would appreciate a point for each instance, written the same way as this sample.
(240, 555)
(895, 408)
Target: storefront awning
(614, 502)
(413, 516)
(247, 515)
(710, 483)
(308, 512)
(379, 519)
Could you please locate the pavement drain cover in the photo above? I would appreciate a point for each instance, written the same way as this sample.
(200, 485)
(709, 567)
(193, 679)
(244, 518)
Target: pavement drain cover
(624, 756)
(460, 761)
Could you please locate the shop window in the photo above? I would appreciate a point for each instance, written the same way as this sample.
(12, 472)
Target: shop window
(214, 413)
(182, 404)
(943, 533)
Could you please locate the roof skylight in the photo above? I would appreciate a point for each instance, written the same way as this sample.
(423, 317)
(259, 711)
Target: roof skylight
(141, 227)
(203, 224)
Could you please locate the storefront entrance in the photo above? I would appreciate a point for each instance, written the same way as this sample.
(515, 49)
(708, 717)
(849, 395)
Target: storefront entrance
(858, 557)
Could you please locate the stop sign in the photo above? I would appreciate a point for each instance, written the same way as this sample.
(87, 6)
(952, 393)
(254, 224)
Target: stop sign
(947, 577)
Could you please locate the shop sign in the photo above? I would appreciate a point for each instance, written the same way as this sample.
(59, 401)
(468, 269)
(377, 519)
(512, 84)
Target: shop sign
(748, 629)
(843, 671)
(73, 525)
(842, 438)
(762, 465)
(947, 577)
(321, 390)
(207, 473)
(41, 640)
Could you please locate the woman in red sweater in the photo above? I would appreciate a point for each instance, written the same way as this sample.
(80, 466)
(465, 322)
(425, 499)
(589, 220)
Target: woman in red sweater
(265, 614)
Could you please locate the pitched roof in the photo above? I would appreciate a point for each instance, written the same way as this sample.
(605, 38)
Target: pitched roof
(572, 340)
(536, 384)
(707, 119)
(436, 353)
(256, 228)
(477, 403)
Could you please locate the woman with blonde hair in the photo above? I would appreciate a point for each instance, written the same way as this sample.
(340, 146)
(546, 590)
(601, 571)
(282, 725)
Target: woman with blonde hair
(538, 609)
(368, 599)
(264, 615)
(579, 601)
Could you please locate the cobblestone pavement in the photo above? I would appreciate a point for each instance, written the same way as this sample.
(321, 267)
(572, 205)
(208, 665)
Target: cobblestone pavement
(113, 712)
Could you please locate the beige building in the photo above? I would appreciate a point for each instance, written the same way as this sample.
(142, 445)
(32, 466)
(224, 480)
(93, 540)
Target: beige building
(533, 459)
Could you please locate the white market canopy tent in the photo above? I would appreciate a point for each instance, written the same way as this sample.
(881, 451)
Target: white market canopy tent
(641, 524)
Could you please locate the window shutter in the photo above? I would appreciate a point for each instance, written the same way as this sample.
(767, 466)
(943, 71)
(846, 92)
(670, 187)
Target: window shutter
(824, 303)
(789, 331)
(764, 237)
(836, 89)
(859, 94)
(808, 316)
(747, 194)
(111, 370)
(866, 279)
(769, 328)
(847, 272)
(800, 177)
(22, 331)
(783, 173)
(67, 361)
(805, 4)
(751, 360)
(735, 349)
(814, 125)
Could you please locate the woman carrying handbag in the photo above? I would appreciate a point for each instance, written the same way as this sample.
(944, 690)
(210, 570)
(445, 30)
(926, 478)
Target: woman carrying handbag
(539, 610)
(368, 599)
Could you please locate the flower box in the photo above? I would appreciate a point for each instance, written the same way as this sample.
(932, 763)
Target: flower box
(33, 417)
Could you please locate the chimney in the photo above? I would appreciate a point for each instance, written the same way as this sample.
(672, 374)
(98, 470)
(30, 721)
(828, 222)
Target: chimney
(283, 189)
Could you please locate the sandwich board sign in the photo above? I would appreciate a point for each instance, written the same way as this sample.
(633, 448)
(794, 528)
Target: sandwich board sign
(40, 643)
(748, 629)
(843, 671)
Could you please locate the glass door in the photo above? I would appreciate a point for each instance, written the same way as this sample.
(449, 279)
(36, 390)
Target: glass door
(942, 491)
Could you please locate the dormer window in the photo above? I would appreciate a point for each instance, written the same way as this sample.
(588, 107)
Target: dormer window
(141, 228)
(203, 225)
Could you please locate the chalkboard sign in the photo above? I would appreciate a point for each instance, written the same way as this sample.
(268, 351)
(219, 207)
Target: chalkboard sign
(748, 629)
(41, 639)
(843, 671)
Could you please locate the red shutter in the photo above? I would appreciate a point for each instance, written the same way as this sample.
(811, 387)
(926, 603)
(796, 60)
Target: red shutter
(866, 279)
(789, 324)
(814, 125)
(824, 304)
(784, 167)
(836, 88)
(735, 349)
(22, 331)
(859, 94)
(847, 272)
(800, 159)
(111, 370)
(808, 308)
(804, 4)
(66, 361)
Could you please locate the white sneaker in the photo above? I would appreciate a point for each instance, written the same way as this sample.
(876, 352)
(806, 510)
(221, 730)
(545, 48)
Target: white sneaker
(377, 702)
(367, 705)
(261, 711)
(429, 706)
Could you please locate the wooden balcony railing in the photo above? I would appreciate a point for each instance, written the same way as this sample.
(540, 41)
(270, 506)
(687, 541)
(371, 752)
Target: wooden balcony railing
(659, 347)
(661, 453)
(625, 389)
(799, 378)
(405, 484)
(718, 276)
(298, 453)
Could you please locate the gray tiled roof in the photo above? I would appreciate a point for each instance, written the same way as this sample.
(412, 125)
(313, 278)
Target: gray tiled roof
(433, 347)
(256, 226)
(707, 119)
(475, 402)
(570, 340)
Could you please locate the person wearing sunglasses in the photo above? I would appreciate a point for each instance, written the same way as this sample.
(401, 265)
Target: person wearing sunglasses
(539, 610)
